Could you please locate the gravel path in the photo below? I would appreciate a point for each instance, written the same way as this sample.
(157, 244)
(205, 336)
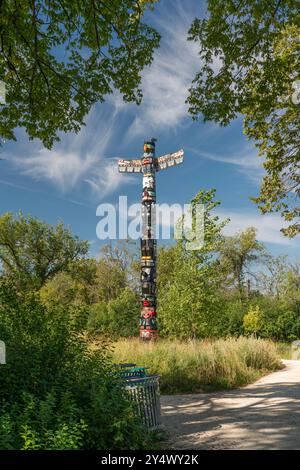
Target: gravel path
(263, 415)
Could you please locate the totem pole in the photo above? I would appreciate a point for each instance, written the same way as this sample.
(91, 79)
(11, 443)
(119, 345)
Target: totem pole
(149, 165)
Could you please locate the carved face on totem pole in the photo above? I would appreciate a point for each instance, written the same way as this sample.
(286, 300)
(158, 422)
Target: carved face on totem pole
(148, 312)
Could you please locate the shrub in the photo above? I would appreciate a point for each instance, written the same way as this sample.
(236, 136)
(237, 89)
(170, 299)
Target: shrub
(116, 318)
(57, 393)
(253, 320)
(281, 318)
(235, 310)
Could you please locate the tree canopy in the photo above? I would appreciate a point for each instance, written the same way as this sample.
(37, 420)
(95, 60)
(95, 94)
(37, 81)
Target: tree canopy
(58, 58)
(31, 251)
(249, 52)
(237, 253)
(188, 301)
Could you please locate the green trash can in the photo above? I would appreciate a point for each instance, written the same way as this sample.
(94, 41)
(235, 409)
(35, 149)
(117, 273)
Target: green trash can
(125, 371)
(144, 392)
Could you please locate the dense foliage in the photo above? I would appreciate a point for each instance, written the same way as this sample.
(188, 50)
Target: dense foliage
(229, 286)
(249, 53)
(189, 302)
(31, 251)
(56, 393)
(58, 58)
(117, 317)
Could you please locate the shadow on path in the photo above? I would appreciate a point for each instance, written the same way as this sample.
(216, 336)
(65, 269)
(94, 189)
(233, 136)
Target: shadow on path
(264, 415)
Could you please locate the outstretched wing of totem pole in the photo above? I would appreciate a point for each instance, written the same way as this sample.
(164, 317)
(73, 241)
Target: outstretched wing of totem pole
(130, 166)
(168, 160)
(149, 165)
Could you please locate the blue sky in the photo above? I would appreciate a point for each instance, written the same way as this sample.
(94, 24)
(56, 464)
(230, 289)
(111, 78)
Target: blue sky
(80, 172)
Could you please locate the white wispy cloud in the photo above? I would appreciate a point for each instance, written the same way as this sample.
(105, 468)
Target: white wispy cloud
(268, 226)
(60, 167)
(165, 84)
(245, 158)
(106, 178)
(18, 186)
(77, 158)
(82, 158)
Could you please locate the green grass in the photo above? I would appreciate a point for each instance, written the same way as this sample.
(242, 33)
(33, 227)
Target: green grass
(197, 366)
(284, 350)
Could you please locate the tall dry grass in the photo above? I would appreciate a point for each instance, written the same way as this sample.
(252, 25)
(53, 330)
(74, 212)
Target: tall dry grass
(197, 366)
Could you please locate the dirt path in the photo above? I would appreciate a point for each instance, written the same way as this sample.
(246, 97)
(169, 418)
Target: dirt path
(264, 415)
